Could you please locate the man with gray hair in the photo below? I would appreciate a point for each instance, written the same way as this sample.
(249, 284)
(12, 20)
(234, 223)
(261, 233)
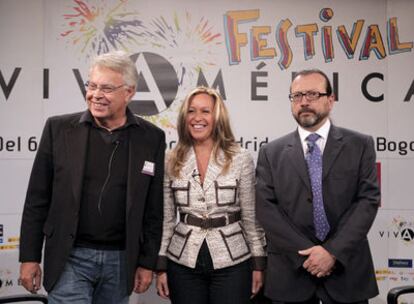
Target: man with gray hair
(95, 196)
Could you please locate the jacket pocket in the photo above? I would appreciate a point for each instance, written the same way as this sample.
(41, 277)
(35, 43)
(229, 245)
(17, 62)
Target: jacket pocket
(235, 241)
(179, 240)
(181, 192)
(226, 193)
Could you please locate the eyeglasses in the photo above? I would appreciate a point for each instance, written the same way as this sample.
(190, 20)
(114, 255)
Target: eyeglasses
(104, 88)
(310, 96)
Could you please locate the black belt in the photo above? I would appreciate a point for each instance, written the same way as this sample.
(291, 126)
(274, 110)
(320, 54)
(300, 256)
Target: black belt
(207, 223)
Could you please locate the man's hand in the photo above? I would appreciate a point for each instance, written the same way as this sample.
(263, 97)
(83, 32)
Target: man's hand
(31, 276)
(162, 285)
(143, 279)
(319, 262)
(257, 281)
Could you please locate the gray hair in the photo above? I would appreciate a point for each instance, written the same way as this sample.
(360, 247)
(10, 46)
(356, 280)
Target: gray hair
(118, 61)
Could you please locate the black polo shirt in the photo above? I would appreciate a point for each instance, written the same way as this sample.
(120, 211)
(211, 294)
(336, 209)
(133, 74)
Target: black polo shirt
(102, 213)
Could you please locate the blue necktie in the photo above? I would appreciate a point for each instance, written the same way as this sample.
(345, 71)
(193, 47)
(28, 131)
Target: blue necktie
(314, 161)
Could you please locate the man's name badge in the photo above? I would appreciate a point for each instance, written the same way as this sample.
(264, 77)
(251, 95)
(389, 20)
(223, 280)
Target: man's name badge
(148, 168)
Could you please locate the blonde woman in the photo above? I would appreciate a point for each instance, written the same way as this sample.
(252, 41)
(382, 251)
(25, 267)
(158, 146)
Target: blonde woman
(212, 248)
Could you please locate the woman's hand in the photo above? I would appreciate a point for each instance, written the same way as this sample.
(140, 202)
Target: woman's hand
(257, 281)
(162, 285)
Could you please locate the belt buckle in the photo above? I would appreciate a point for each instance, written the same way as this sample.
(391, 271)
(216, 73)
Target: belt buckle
(206, 222)
(227, 219)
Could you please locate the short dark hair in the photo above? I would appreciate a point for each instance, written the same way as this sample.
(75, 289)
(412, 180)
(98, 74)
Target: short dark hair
(315, 71)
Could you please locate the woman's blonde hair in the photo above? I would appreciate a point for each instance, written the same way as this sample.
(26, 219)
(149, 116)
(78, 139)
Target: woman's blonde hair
(222, 134)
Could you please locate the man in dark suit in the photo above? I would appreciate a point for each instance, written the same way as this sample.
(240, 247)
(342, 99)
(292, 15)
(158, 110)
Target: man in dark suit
(317, 197)
(95, 196)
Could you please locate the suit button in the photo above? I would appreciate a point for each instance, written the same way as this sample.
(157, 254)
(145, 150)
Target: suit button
(71, 236)
(201, 199)
(309, 200)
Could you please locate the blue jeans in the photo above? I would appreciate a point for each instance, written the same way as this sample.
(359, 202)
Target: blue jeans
(92, 276)
(206, 285)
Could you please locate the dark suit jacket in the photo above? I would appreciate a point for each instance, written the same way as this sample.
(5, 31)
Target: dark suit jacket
(51, 210)
(284, 208)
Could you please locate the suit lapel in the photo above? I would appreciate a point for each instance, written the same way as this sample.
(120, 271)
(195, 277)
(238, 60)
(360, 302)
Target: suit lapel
(296, 156)
(333, 146)
(190, 167)
(76, 140)
(136, 159)
(213, 170)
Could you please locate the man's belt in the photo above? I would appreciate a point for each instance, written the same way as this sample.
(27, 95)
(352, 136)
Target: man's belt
(207, 223)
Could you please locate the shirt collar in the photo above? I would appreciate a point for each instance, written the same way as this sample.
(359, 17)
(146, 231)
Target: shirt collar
(87, 117)
(322, 131)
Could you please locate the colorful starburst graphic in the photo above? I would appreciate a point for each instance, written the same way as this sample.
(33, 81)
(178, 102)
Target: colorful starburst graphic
(189, 43)
(195, 41)
(97, 28)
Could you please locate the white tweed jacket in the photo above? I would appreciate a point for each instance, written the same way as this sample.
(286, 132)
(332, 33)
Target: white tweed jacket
(220, 195)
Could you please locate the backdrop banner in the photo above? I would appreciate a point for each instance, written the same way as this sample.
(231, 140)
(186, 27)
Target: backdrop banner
(249, 51)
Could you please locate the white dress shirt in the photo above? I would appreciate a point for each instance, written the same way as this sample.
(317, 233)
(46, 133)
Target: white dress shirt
(323, 132)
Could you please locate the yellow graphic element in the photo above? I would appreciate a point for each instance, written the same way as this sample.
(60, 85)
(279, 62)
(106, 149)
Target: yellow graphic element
(383, 271)
(5, 247)
(308, 31)
(373, 41)
(350, 43)
(394, 42)
(282, 40)
(235, 38)
(260, 49)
